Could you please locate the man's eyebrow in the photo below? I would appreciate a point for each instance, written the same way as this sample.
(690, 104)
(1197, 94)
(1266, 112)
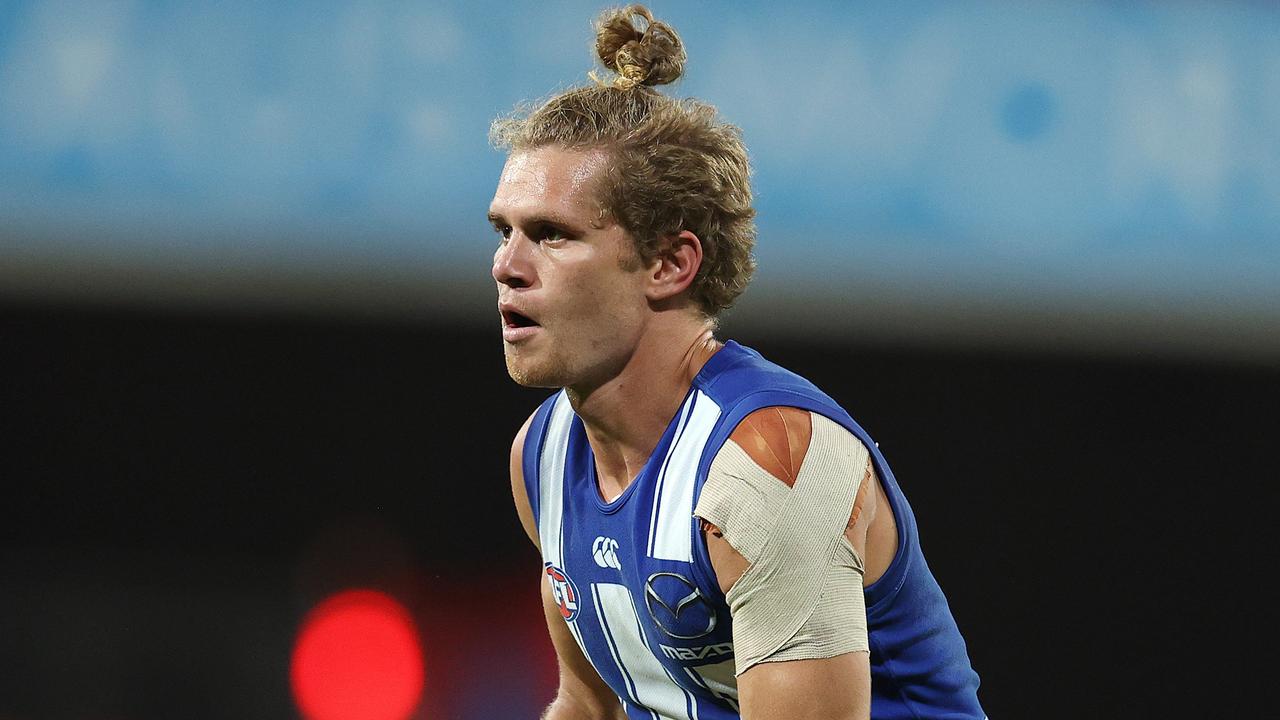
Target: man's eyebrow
(542, 219)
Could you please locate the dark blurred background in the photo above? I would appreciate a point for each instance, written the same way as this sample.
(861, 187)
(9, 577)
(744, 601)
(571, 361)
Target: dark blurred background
(249, 359)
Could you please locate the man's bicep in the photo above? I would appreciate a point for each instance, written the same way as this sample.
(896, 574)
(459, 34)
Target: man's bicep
(798, 591)
(835, 688)
(582, 694)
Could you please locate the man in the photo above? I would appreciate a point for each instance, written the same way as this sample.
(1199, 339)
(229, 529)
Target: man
(720, 539)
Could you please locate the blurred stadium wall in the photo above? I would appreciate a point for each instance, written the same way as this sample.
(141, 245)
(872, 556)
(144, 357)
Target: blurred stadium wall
(1091, 175)
(248, 350)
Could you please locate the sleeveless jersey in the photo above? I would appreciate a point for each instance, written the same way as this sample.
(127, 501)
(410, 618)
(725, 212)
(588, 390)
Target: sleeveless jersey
(636, 587)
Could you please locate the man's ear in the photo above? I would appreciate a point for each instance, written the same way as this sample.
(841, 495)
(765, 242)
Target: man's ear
(675, 266)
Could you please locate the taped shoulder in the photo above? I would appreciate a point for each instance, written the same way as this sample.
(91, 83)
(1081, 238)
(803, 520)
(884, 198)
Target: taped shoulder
(777, 439)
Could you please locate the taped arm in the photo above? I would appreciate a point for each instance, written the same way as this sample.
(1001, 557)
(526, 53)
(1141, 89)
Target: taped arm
(582, 695)
(781, 503)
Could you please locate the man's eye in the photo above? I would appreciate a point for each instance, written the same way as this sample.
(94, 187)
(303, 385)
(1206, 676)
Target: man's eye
(504, 231)
(552, 235)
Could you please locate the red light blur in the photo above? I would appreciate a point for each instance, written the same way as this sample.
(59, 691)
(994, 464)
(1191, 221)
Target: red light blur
(357, 657)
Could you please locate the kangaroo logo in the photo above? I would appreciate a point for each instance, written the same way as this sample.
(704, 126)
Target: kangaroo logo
(605, 551)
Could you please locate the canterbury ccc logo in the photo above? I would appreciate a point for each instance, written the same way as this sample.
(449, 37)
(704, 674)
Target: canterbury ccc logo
(564, 592)
(605, 551)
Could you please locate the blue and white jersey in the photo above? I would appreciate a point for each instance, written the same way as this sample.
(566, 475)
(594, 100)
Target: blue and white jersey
(636, 587)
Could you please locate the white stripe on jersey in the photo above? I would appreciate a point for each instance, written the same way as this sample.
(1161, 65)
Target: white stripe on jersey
(613, 649)
(662, 470)
(650, 684)
(672, 536)
(719, 679)
(551, 480)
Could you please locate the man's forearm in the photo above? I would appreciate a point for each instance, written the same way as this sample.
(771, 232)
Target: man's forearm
(567, 708)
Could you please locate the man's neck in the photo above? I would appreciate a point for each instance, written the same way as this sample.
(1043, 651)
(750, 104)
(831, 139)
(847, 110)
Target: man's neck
(626, 416)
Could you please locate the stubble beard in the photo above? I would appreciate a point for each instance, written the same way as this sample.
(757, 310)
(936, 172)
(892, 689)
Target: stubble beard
(532, 374)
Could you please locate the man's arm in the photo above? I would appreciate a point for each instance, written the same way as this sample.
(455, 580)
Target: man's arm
(836, 688)
(582, 694)
(817, 677)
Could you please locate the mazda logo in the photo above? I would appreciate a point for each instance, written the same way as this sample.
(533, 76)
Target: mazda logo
(675, 619)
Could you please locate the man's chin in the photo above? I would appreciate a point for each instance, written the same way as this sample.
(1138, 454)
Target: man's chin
(531, 377)
(532, 382)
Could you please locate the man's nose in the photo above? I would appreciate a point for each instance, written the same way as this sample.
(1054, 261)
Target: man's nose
(511, 266)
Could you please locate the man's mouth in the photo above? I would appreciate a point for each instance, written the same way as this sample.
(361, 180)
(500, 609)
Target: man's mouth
(516, 326)
(513, 319)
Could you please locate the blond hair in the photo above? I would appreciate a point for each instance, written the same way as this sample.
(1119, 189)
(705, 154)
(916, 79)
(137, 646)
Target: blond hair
(673, 164)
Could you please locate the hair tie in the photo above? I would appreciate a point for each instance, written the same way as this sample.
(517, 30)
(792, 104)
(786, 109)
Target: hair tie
(630, 73)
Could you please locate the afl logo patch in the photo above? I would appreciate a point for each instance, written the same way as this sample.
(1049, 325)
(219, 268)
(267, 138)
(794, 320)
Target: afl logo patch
(564, 592)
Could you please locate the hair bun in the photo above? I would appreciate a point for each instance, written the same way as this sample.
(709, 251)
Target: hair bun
(650, 56)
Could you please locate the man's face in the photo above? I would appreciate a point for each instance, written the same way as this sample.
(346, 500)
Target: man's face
(570, 291)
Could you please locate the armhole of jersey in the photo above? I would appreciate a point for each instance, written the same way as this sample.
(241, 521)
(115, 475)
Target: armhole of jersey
(883, 589)
(904, 520)
(530, 459)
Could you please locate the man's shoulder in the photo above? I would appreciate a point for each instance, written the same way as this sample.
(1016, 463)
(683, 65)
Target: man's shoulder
(777, 439)
(529, 436)
(744, 374)
(777, 400)
(555, 402)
